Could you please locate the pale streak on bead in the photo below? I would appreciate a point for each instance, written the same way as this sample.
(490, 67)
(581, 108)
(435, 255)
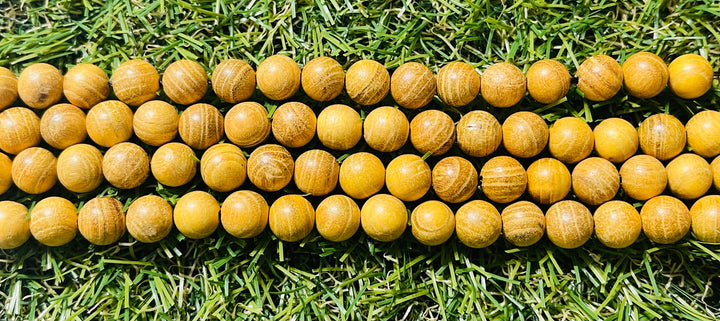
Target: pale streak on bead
(201, 126)
(54, 221)
(502, 85)
(478, 224)
(40, 85)
(126, 166)
(615, 139)
(549, 180)
(386, 129)
(408, 177)
(432, 222)
(571, 140)
(323, 79)
(294, 124)
(337, 218)
(432, 131)
(595, 180)
(247, 124)
(645, 75)
(705, 215)
(185, 82)
(34, 170)
(79, 168)
(643, 177)
(223, 167)
(523, 223)
(135, 82)
(278, 77)
(85, 85)
(244, 214)
(665, 219)
(291, 218)
(149, 219)
(270, 167)
(233, 80)
(316, 172)
(109, 123)
(8, 88)
(101, 221)
(703, 133)
(600, 77)
(662, 136)
(63, 125)
(19, 130)
(479, 133)
(339, 127)
(458, 84)
(617, 224)
(156, 122)
(5, 173)
(503, 179)
(174, 164)
(569, 224)
(525, 134)
(548, 81)
(454, 179)
(412, 85)
(367, 82)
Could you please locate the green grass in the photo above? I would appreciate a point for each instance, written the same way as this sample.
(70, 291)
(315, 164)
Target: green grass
(230, 279)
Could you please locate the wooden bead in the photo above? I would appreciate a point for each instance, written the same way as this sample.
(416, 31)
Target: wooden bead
(337, 218)
(600, 77)
(689, 176)
(367, 82)
(16, 227)
(316, 172)
(691, 76)
(54, 221)
(278, 77)
(665, 219)
(174, 164)
(384, 217)
(149, 219)
(196, 215)
(615, 139)
(40, 85)
(503, 179)
(63, 125)
(223, 167)
(247, 124)
(85, 85)
(662, 136)
(571, 140)
(244, 214)
(645, 75)
(362, 175)
(135, 82)
(525, 134)
(432, 131)
(291, 218)
(549, 181)
(479, 133)
(339, 127)
(109, 123)
(617, 224)
(101, 221)
(569, 224)
(293, 124)
(643, 177)
(454, 179)
(478, 224)
(715, 165)
(79, 168)
(185, 82)
(703, 133)
(19, 130)
(270, 167)
(156, 122)
(34, 170)
(126, 165)
(523, 223)
(6, 173)
(233, 80)
(386, 129)
(412, 85)
(8, 88)
(502, 85)
(408, 177)
(201, 126)
(595, 181)
(547, 81)
(705, 216)
(458, 83)
(432, 223)
(323, 79)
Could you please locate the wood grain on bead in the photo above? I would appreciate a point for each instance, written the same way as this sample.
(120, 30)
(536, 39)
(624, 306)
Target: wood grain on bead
(126, 166)
(19, 130)
(386, 129)
(479, 133)
(34, 170)
(617, 224)
(525, 134)
(8, 88)
(79, 168)
(270, 167)
(196, 215)
(548, 81)
(291, 218)
(662, 136)
(458, 84)
(16, 226)
(174, 164)
(323, 78)
(101, 221)
(362, 175)
(412, 85)
(691, 76)
(478, 224)
(201, 126)
(185, 82)
(503, 179)
(643, 177)
(223, 167)
(293, 124)
(6, 173)
(523, 223)
(247, 124)
(244, 214)
(600, 77)
(367, 82)
(502, 85)
(233, 80)
(135, 81)
(339, 127)
(40, 85)
(278, 77)
(571, 140)
(615, 139)
(316, 172)
(549, 180)
(156, 122)
(432, 131)
(454, 179)
(149, 219)
(408, 177)
(705, 217)
(384, 217)
(337, 218)
(54, 221)
(645, 75)
(595, 180)
(63, 125)
(85, 85)
(715, 166)
(665, 219)
(569, 224)
(109, 123)
(689, 176)
(432, 223)
(703, 133)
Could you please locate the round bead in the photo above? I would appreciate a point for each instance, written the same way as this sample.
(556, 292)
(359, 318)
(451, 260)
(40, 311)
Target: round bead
(703, 133)
(600, 77)
(662, 136)
(383, 217)
(595, 181)
(367, 82)
(549, 181)
(339, 127)
(233, 80)
(617, 224)
(665, 219)
(101, 221)
(645, 75)
(293, 124)
(174, 164)
(525, 134)
(412, 85)
(432, 131)
(278, 77)
(126, 166)
(691, 76)
(503, 179)
(337, 218)
(19, 130)
(40, 85)
(323, 79)
(185, 82)
(63, 125)
(149, 219)
(548, 81)
(715, 165)
(689, 176)
(523, 223)
(223, 167)
(362, 175)
(8, 88)
(201, 126)
(6, 173)
(571, 140)
(386, 129)
(454, 179)
(643, 177)
(569, 224)
(16, 226)
(247, 124)
(270, 167)
(615, 139)
(85, 85)
(196, 215)
(408, 177)
(291, 218)
(478, 224)
(156, 122)
(432, 223)
(316, 172)
(109, 123)
(244, 214)
(502, 85)
(479, 133)
(79, 168)
(54, 221)
(458, 83)
(135, 82)
(705, 216)
(34, 170)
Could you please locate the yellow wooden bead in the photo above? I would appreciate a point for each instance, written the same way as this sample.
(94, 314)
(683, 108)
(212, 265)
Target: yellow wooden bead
(339, 127)
(323, 79)
(615, 139)
(109, 123)
(34, 170)
(156, 122)
(54, 221)
(101, 221)
(715, 165)
(432, 131)
(691, 76)
(293, 124)
(523, 223)
(278, 77)
(201, 126)
(149, 219)
(270, 167)
(645, 75)
(478, 224)
(386, 129)
(362, 175)
(291, 218)
(705, 216)
(571, 140)
(8, 88)
(174, 164)
(643, 177)
(384, 217)
(63, 125)
(223, 167)
(408, 177)
(595, 180)
(85, 85)
(662, 136)
(525, 134)
(600, 77)
(337, 218)
(15, 225)
(479, 133)
(126, 165)
(703, 133)
(432, 223)
(316, 172)
(19, 130)
(617, 224)
(247, 124)
(40, 85)
(79, 168)
(185, 82)
(454, 179)
(233, 80)
(196, 215)
(503, 179)
(135, 82)
(548, 81)
(549, 180)
(502, 85)
(458, 83)
(412, 85)
(665, 219)
(689, 176)
(367, 82)
(244, 214)
(569, 224)
(6, 173)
